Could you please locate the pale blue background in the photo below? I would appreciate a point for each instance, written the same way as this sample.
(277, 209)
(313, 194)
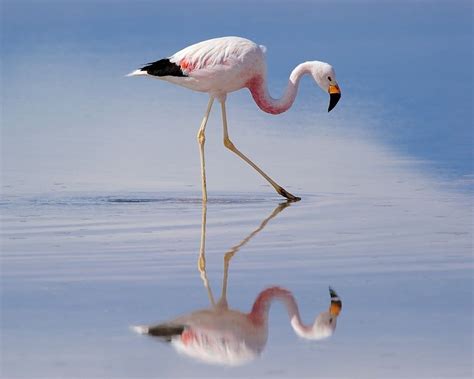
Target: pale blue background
(406, 64)
(386, 180)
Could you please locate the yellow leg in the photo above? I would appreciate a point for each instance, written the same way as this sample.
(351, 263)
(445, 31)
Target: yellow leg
(201, 140)
(228, 143)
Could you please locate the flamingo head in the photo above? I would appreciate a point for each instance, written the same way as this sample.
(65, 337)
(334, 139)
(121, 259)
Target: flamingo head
(325, 323)
(323, 327)
(325, 76)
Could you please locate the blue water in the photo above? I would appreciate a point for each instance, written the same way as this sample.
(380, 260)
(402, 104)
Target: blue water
(79, 271)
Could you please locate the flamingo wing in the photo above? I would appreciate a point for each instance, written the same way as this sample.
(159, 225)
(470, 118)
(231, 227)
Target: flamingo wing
(217, 66)
(213, 53)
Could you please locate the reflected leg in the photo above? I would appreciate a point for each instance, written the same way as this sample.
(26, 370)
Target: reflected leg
(202, 255)
(229, 254)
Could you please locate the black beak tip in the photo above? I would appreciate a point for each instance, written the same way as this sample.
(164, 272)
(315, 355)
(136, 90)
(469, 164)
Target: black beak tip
(333, 100)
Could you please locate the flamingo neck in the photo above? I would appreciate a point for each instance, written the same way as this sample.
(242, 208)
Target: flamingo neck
(258, 88)
(261, 307)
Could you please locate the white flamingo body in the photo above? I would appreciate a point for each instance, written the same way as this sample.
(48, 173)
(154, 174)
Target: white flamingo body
(222, 65)
(217, 66)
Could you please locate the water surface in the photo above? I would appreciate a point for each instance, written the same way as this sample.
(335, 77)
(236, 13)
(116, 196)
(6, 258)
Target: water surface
(79, 270)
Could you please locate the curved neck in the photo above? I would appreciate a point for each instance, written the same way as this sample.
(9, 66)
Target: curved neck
(258, 87)
(261, 306)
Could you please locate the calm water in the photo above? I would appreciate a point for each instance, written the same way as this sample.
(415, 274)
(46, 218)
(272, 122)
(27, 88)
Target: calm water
(80, 269)
(101, 222)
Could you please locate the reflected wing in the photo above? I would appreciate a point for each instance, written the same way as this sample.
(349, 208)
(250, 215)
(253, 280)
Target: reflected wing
(163, 331)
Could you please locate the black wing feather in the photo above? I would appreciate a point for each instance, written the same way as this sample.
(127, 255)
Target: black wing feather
(163, 67)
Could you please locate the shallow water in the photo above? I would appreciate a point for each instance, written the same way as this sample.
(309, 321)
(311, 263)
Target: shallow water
(78, 270)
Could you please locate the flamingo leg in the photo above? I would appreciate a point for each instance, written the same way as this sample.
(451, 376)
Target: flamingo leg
(228, 143)
(202, 255)
(201, 140)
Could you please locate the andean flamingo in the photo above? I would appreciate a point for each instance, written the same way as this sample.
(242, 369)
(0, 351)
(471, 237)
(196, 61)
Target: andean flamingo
(222, 65)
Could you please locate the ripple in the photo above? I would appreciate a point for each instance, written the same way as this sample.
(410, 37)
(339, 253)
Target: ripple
(187, 200)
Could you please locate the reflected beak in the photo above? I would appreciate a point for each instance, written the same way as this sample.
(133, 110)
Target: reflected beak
(336, 303)
(334, 96)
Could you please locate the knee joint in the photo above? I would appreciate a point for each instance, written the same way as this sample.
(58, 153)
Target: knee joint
(228, 143)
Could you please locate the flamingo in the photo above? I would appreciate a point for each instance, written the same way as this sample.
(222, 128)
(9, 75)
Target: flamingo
(222, 65)
(220, 335)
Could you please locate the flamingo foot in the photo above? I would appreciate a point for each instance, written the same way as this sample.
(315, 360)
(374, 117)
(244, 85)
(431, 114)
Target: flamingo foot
(286, 194)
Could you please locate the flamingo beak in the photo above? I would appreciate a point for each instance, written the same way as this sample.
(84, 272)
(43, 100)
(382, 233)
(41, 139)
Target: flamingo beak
(336, 303)
(334, 96)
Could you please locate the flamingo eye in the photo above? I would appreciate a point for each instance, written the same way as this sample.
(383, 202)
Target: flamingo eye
(329, 78)
(330, 320)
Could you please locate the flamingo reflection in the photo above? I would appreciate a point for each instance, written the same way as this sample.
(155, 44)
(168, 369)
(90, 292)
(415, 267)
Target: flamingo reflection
(220, 335)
